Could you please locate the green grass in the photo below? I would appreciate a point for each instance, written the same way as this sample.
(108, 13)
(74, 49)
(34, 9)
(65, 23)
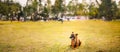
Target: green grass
(96, 36)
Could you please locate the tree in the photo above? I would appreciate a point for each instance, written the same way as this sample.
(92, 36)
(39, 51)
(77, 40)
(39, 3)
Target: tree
(80, 9)
(45, 12)
(34, 5)
(114, 10)
(9, 8)
(58, 7)
(49, 6)
(32, 10)
(71, 8)
(107, 9)
(118, 11)
(28, 10)
(93, 11)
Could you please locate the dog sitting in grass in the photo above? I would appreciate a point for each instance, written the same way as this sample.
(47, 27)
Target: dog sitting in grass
(75, 42)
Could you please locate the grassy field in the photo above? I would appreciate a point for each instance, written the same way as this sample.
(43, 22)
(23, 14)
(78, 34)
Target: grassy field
(96, 36)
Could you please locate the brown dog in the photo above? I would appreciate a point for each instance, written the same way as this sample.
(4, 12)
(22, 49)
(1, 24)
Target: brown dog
(72, 37)
(75, 42)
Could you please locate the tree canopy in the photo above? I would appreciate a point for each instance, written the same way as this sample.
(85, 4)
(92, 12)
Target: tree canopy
(107, 8)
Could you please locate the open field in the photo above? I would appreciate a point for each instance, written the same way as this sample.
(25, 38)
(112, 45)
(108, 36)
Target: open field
(96, 36)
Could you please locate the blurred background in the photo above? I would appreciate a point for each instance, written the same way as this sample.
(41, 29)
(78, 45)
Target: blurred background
(34, 10)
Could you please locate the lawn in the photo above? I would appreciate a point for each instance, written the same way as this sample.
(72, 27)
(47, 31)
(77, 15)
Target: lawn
(53, 36)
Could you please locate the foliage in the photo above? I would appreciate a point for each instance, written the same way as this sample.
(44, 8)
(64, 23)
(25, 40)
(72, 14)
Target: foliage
(71, 8)
(34, 5)
(107, 9)
(45, 13)
(118, 11)
(4, 8)
(31, 8)
(93, 11)
(49, 6)
(58, 7)
(8, 8)
(80, 10)
(28, 10)
(114, 10)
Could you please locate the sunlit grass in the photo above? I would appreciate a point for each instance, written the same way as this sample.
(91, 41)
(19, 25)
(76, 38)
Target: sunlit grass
(53, 36)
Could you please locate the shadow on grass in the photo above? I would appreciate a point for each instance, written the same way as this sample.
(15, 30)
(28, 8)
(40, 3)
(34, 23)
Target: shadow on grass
(1, 24)
(69, 49)
(5, 47)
